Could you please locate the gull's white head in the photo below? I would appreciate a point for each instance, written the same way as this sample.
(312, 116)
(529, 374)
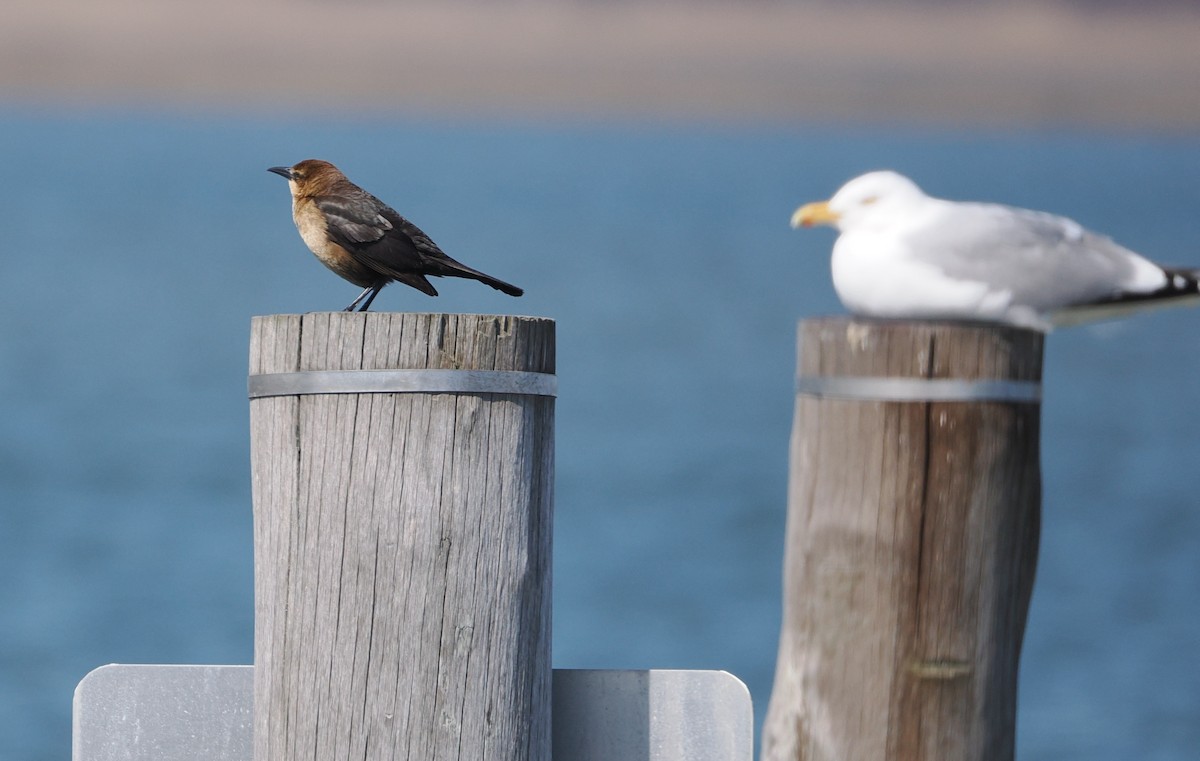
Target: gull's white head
(868, 198)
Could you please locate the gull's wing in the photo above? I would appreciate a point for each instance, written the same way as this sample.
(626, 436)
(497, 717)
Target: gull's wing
(1045, 261)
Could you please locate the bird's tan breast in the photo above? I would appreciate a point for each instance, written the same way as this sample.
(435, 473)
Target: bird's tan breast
(310, 222)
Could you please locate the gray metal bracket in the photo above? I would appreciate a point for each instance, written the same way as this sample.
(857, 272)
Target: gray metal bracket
(205, 713)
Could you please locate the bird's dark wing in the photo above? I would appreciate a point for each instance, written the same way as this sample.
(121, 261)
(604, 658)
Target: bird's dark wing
(381, 239)
(434, 261)
(354, 220)
(421, 242)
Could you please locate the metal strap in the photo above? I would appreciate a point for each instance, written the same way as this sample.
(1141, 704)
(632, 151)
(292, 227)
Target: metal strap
(919, 389)
(403, 382)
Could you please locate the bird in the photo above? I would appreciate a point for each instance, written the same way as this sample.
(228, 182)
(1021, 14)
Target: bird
(903, 254)
(364, 240)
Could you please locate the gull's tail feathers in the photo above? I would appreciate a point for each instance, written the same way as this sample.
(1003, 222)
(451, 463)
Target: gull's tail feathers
(1182, 288)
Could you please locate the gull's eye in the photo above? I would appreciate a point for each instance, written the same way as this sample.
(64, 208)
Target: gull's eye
(869, 200)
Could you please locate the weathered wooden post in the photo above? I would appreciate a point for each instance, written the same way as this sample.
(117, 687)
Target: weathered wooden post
(402, 472)
(913, 521)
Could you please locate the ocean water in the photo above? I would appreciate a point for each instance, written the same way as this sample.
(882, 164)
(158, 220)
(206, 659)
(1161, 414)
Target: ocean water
(137, 247)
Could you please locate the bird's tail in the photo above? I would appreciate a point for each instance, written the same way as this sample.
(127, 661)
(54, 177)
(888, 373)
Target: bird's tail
(1181, 289)
(1182, 282)
(458, 269)
(1183, 286)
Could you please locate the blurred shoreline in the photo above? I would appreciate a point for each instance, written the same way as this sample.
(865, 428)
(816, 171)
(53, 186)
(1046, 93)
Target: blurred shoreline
(1019, 65)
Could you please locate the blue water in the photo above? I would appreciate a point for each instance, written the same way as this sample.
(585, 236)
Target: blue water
(136, 248)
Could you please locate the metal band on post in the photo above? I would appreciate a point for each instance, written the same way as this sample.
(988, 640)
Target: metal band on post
(402, 382)
(891, 389)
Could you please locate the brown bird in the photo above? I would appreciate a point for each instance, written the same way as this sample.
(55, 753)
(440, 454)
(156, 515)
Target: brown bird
(363, 239)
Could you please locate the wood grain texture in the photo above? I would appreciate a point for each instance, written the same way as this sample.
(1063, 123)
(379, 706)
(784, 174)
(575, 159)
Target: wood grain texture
(911, 548)
(402, 545)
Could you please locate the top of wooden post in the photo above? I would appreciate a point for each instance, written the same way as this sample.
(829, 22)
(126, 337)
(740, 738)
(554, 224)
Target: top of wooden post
(282, 343)
(852, 346)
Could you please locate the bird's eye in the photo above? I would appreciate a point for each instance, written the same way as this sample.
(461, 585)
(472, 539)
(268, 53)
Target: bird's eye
(869, 200)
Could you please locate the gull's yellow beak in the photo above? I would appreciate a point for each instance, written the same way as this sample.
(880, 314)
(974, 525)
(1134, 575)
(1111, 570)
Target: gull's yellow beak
(817, 213)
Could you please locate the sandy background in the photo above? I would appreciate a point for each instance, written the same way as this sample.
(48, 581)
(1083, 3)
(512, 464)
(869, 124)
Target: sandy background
(1023, 65)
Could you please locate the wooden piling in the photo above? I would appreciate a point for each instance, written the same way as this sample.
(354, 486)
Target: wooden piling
(913, 521)
(402, 540)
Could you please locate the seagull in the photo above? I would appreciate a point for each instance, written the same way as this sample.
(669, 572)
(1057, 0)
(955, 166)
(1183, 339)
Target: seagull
(904, 254)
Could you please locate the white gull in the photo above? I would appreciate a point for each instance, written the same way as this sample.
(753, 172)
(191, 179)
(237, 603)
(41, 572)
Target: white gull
(904, 254)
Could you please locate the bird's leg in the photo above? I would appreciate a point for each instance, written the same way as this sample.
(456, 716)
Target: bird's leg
(372, 291)
(370, 298)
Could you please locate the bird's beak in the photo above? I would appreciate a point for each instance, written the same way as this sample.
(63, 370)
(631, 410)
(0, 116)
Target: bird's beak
(283, 171)
(817, 213)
